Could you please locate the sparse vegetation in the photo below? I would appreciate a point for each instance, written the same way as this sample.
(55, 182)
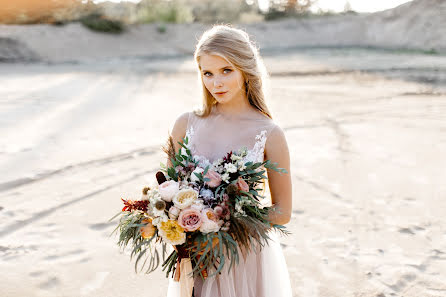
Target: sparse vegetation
(174, 11)
(110, 17)
(100, 23)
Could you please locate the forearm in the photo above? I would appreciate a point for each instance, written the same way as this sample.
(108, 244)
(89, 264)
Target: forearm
(278, 216)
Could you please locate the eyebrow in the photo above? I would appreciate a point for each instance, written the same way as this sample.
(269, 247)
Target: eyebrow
(228, 66)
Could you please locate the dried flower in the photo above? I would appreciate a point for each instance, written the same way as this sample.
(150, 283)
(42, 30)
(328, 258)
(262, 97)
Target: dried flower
(131, 205)
(160, 205)
(232, 190)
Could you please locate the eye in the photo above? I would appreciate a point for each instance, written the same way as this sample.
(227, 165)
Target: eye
(229, 70)
(206, 73)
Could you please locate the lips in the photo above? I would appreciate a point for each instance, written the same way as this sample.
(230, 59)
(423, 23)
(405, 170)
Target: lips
(220, 93)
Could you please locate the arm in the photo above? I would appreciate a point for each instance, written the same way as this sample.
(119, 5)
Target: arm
(276, 150)
(179, 132)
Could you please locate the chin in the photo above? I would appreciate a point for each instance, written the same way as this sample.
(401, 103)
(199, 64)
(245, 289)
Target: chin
(223, 100)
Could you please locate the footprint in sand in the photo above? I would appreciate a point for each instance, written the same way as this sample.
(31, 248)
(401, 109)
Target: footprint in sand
(36, 273)
(49, 283)
(101, 226)
(411, 230)
(77, 255)
(406, 231)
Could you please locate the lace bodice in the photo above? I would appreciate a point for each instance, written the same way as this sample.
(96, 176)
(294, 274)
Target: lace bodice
(211, 138)
(256, 154)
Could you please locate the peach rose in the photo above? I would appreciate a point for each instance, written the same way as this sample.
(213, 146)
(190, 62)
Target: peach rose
(210, 221)
(215, 179)
(242, 185)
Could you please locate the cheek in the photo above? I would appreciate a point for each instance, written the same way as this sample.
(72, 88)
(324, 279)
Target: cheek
(235, 81)
(207, 82)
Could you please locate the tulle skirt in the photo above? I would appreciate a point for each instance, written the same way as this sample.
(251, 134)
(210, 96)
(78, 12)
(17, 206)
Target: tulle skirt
(263, 273)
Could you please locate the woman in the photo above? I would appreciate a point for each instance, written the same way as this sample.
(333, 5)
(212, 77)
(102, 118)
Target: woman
(234, 115)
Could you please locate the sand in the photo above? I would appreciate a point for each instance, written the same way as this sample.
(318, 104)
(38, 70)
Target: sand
(82, 127)
(367, 152)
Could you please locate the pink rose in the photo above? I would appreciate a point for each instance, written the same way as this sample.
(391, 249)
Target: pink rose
(242, 185)
(215, 179)
(190, 219)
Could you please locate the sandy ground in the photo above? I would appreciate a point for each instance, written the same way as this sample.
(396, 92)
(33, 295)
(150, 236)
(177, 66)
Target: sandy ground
(367, 136)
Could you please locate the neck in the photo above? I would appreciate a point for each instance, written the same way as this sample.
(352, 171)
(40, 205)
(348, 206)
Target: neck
(236, 107)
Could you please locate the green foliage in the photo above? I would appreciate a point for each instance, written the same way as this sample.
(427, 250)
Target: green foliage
(99, 23)
(211, 11)
(151, 11)
(161, 28)
(129, 227)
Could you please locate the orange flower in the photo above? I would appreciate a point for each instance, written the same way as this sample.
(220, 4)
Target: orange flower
(148, 230)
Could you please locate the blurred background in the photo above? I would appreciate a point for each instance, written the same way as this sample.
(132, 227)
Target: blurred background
(90, 89)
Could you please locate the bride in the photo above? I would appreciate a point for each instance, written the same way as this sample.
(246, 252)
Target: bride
(234, 115)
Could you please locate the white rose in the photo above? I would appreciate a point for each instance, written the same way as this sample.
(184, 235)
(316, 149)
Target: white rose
(168, 190)
(185, 198)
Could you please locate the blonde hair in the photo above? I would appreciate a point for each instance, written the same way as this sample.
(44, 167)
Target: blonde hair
(235, 46)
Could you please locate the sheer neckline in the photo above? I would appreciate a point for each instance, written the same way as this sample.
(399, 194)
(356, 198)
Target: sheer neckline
(255, 154)
(244, 117)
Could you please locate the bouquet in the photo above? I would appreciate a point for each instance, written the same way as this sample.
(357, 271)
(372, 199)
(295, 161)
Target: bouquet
(207, 214)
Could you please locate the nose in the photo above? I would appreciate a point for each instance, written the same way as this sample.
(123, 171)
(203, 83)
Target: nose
(217, 82)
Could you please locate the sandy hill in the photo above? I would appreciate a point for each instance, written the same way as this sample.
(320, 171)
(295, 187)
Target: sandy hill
(417, 25)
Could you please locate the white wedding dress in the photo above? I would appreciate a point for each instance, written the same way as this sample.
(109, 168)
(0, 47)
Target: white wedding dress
(264, 272)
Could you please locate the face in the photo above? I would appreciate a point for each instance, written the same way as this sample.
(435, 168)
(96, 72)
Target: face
(222, 80)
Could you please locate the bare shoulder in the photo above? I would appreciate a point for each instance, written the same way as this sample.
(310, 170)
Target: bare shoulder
(276, 142)
(180, 126)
